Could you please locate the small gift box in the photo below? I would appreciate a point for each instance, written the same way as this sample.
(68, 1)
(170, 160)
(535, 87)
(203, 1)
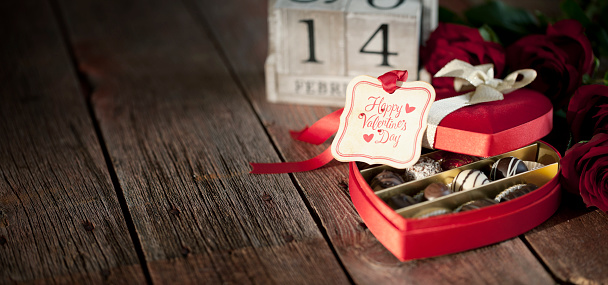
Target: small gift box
(509, 117)
(462, 196)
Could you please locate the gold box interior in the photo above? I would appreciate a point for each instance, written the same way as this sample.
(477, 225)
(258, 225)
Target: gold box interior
(537, 152)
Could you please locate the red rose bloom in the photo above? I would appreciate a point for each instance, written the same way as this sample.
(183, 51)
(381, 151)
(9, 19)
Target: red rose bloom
(570, 36)
(451, 41)
(560, 57)
(588, 111)
(584, 171)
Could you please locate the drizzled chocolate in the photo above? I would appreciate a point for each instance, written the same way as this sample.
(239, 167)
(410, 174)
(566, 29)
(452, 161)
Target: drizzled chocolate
(514, 192)
(386, 179)
(507, 167)
(469, 179)
(475, 204)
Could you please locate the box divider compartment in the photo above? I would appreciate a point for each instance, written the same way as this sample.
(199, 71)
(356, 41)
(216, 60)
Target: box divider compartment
(538, 152)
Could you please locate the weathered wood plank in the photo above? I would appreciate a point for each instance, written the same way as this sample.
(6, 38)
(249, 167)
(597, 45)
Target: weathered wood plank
(60, 218)
(573, 244)
(180, 135)
(367, 261)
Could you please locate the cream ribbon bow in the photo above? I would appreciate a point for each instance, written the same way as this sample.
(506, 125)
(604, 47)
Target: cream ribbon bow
(481, 78)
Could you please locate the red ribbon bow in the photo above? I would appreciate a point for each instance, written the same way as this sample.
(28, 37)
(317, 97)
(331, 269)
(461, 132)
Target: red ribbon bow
(389, 80)
(320, 131)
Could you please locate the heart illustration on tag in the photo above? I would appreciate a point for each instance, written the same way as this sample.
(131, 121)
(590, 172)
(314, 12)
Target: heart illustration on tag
(391, 124)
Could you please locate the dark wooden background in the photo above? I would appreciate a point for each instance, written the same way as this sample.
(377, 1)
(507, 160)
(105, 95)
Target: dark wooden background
(126, 129)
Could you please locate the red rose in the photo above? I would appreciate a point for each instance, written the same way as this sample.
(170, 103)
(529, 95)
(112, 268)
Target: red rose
(451, 41)
(570, 36)
(560, 57)
(584, 171)
(588, 111)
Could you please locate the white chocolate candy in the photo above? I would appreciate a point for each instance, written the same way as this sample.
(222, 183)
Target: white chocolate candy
(469, 179)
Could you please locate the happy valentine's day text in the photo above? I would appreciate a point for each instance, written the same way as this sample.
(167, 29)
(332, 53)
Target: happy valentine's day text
(384, 118)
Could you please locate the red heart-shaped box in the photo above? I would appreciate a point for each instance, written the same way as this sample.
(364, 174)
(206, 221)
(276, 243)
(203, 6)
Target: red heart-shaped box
(493, 130)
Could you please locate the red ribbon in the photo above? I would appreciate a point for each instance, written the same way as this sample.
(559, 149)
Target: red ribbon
(389, 80)
(288, 167)
(319, 132)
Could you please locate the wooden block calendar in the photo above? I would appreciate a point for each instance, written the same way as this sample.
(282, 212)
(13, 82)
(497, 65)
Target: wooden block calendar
(317, 46)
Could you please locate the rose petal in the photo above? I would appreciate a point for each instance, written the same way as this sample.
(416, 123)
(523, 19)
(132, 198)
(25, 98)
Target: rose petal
(578, 45)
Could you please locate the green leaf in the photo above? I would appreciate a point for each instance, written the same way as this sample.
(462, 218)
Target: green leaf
(587, 79)
(488, 34)
(560, 113)
(508, 22)
(599, 39)
(574, 11)
(601, 8)
(543, 20)
(447, 16)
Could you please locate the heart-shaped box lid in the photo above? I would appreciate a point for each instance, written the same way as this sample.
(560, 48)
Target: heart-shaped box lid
(492, 128)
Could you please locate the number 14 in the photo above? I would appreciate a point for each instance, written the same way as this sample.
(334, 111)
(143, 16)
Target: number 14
(382, 29)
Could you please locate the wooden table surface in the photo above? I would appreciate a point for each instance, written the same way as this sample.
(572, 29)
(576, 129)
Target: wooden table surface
(126, 132)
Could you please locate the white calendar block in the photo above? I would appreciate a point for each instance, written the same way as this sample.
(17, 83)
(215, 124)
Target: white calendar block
(310, 37)
(430, 18)
(314, 89)
(382, 36)
(272, 27)
(317, 46)
(323, 90)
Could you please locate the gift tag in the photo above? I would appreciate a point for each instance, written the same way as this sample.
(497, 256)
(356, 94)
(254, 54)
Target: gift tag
(381, 128)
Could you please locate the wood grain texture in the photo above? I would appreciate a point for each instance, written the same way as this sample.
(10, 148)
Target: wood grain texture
(573, 244)
(365, 259)
(60, 219)
(180, 135)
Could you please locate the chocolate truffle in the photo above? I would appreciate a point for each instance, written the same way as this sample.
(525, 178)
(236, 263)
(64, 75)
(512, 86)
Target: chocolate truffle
(436, 190)
(452, 160)
(425, 167)
(419, 197)
(432, 211)
(400, 201)
(469, 179)
(507, 167)
(386, 179)
(363, 165)
(514, 192)
(475, 204)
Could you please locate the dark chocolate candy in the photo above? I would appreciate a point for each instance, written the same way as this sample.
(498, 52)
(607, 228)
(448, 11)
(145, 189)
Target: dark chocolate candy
(363, 165)
(386, 179)
(475, 204)
(507, 167)
(419, 197)
(469, 179)
(400, 201)
(425, 167)
(432, 211)
(514, 192)
(436, 190)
